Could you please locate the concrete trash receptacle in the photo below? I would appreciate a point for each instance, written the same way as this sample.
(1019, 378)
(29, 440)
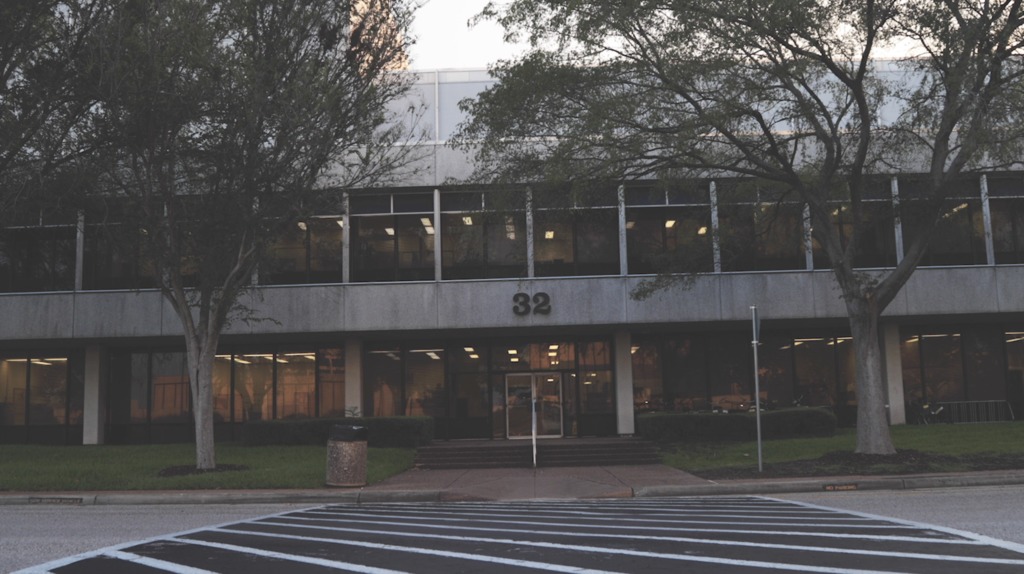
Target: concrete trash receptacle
(346, 456)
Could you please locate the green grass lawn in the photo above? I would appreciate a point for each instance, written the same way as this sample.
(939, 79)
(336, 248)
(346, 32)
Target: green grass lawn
(49, 468)
(953, 444)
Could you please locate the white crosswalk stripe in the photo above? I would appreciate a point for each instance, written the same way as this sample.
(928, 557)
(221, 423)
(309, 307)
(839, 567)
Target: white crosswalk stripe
(721, 535)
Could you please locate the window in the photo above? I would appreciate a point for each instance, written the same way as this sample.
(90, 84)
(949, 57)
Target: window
(1006, 203)
(389, 242)
(583, 242)
(960, 237)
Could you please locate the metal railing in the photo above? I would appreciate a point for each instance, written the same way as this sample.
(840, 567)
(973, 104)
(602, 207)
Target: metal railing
(976, 411)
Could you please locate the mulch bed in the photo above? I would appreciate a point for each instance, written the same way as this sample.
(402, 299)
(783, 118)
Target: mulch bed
(191, 469)
(850, 463)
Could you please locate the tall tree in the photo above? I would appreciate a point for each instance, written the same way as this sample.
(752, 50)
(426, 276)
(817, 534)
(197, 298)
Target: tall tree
(41, 42)
(220, 124)
(794, 93)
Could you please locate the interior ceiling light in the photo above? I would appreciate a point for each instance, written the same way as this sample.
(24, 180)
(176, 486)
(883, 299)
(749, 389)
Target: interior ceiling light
(341, 223)
(302, 225)
(469, 349)
(474, 356)
(670, 223)
(389, 230)
(426, 222)
(549, 234)
(512, 351)
(433, 355)
(630, 224)
(467, 220)
(514, 359)
(703, 230)
(552, 347)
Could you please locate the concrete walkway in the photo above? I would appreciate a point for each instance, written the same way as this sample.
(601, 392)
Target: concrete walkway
(526, 484)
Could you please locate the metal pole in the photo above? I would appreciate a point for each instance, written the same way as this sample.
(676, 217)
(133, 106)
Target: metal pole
(757, 384)
(533, 416)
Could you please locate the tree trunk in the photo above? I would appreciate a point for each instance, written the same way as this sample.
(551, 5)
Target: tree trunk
(201, 355)
(873, 436)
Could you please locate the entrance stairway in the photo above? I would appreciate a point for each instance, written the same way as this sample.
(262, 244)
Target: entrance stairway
(550, 453)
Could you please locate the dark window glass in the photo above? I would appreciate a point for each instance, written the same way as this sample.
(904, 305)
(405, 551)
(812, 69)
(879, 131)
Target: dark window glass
(414, 203)
(415, 241)
(730, 380)
(222, 388)
(1005, 186)
(325, 247)
(48, 391)
(505, 245)
(470, 201)
(462, 246)
(553, 245)
(877, 246)
(37, 259)
(369, 204)
(113, 259)
(644, 195)
(676, 239)
(1014, 341)
(170, 393)
(985, 365)
(942, 367)
(296, 384)
(695, 193)
(775, 368)
(254, 387)
(373, 248)
(1008, 229)
(382, 374)
(685, 374)
(13, 385)
(424, 382)
(288, 257)
(596, 236)
(648, 388)
(331, 378)
(910, 358)
(846, 408)
(761, 238)
(960, 237)
(815, 371)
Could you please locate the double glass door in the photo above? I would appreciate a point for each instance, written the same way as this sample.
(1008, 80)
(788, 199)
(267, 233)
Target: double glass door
(529, 393)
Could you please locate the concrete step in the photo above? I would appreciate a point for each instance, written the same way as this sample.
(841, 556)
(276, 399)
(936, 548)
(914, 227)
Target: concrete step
(550, 453)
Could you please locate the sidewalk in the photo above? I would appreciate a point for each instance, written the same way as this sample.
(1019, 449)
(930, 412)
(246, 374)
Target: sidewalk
(526, 484)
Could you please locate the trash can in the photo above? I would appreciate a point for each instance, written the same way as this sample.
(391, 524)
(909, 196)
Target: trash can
(346, 456)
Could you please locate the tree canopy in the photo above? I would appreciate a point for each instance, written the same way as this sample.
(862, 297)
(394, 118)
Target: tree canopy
(816, 97)
(217, 125)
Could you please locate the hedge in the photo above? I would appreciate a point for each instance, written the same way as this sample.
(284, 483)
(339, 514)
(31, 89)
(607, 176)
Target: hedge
(691, 427)
(405, 432)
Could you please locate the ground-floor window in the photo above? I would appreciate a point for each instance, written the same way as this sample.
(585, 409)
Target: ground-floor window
(150, 400)
(714, 372)
(968, 367)
(41, 397)
(484, 389)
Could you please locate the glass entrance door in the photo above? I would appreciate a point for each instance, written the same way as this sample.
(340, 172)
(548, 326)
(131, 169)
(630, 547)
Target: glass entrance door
(543, 393)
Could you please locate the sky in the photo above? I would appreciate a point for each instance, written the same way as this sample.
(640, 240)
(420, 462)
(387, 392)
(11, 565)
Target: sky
(444, 39)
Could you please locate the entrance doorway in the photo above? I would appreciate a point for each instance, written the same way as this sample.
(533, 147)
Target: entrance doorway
(543, 393)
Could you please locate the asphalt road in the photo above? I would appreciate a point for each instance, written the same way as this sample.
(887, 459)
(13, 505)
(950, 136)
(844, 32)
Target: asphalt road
(34, 534)
(723, 535)
(996, 511)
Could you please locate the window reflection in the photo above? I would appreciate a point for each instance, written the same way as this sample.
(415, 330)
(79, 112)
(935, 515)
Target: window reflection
(296, 384)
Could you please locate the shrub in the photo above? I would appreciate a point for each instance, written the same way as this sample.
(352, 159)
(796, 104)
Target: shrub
(699, 427)
(404, 432)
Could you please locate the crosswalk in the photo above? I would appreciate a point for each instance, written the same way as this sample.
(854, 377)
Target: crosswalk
(721, 535)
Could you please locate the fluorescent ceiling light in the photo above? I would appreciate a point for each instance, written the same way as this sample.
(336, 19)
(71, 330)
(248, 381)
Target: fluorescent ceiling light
(426, 222)
(630, 224)
(467, 220)
(670, 223)
(389, 230)
(703, 230)
(302, 225)
(549, 234)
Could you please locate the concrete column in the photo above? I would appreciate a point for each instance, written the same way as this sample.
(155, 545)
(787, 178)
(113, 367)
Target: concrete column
(893, 366)
(894, 187)
(438, 259)
(354, 374)
(623, 247)
(986, 213)
(716, 243)
(346, 243)
(94, 409)
(529, 234)
(624, 384)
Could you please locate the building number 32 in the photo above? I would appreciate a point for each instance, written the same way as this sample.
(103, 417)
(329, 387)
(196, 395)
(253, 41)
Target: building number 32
(541, 304)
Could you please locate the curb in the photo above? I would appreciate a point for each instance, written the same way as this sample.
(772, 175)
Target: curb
(833, 484)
